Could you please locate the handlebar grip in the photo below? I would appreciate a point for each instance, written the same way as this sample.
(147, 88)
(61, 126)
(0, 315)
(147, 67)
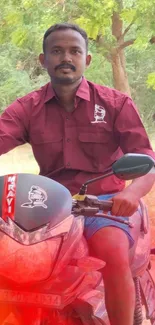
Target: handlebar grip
(106, 205)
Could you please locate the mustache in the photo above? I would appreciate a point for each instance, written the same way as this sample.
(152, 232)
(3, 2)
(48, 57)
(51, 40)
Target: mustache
(65, 65)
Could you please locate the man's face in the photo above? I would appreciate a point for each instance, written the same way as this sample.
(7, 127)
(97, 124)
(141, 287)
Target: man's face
(65, 56)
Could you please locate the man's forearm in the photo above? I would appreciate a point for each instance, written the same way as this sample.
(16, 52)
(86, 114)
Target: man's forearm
(142, 185)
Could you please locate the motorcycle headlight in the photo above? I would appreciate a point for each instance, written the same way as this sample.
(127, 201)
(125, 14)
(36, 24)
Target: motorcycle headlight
(29, 257)
(26, 264)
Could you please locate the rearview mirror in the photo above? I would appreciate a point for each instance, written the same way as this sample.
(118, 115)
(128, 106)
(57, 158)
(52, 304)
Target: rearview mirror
(132, 166)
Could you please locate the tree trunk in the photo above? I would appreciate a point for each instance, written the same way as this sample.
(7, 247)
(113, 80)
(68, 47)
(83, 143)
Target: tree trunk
(120, 78)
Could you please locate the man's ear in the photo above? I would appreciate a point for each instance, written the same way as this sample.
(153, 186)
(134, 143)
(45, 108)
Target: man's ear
(88, 60)
(42, 60)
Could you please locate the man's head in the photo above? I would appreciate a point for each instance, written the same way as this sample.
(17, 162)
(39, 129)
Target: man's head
(65, 53)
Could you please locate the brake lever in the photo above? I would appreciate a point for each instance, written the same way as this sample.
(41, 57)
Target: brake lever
(85, 211)
(94, 212)
(102, 215)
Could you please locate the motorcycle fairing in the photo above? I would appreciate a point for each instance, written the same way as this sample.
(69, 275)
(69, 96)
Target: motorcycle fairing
(25, 264)
(148, 294)
(56, 293)
(91, 307)
(69, 246)
(140, 252)
(84, 284)
(48, 203)
(30, 238)
(67, 281)
(31, 264)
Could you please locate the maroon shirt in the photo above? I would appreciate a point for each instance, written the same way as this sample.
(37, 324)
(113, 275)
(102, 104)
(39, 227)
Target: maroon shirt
(74, 147)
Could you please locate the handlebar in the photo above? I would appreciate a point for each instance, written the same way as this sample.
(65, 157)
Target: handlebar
(88, 205)
(104, 205)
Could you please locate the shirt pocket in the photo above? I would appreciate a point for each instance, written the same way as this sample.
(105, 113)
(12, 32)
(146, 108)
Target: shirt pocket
(48, 150)
(93, 137)
(45, 138)
(94, 145)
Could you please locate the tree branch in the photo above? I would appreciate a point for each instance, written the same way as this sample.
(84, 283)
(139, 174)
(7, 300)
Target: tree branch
(126, 44)
(152, 40)
(127, 29)
(131, 41)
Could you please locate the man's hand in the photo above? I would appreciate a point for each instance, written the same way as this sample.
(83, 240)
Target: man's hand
(124, 204)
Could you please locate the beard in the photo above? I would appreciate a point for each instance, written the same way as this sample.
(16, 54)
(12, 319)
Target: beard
(65, 80)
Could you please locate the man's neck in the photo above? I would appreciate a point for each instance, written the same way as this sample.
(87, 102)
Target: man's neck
(66, 94)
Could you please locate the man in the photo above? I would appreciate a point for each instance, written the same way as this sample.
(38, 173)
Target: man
(77, 129)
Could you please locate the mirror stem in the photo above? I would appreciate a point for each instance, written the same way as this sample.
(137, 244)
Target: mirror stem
(83, 188)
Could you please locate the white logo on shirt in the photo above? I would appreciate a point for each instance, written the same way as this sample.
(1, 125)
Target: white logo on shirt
(99, 114)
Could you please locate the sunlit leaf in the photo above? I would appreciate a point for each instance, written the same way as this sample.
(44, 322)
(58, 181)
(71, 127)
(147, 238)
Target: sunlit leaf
(151, 80)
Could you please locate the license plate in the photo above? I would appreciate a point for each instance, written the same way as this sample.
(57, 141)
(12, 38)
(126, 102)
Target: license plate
(39, 299)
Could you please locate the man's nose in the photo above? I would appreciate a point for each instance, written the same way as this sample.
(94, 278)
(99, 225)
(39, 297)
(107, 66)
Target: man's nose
(67, 57)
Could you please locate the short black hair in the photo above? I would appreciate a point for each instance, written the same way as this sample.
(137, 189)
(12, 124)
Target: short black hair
(64, 26)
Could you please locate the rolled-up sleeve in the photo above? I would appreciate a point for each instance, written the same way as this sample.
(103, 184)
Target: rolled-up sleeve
(14, 123)
(130, 130)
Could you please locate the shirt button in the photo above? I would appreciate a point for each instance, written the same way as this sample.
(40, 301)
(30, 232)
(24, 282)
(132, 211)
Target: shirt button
(68, 140)
(67, 118)
(68, 164)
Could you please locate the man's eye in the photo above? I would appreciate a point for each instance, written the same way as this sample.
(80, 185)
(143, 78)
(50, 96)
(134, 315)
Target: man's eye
(56, 51)
(76, 51)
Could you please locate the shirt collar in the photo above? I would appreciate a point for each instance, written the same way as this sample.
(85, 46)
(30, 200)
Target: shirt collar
(82, 92)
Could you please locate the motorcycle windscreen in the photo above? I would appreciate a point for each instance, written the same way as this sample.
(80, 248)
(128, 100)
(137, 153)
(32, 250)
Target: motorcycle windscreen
(27, 264)
(32, 201)
(35, 213)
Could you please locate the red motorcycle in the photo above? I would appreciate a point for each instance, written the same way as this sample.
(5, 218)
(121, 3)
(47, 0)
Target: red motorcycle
(46, 274)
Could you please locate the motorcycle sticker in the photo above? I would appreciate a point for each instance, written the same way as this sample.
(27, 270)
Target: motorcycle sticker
(37, 196)
(9, 197)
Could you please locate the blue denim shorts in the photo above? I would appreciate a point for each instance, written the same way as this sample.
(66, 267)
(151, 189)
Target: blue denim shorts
(93, 224)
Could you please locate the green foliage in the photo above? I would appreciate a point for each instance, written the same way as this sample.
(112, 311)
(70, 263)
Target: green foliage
(99, 70)
(18, 76)
(23, 23)
(95, 16)
(15, 80)
(139, 65)
(151, 80)
(128, 14)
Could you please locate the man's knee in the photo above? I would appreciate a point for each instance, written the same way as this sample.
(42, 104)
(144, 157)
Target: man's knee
(111, 245)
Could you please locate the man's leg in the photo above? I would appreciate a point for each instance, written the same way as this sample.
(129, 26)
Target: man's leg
(112, 245)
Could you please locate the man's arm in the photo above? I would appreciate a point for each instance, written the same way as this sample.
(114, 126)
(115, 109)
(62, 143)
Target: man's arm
(13, 127)
(133, 139)
(126, 202)
(142, 185)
